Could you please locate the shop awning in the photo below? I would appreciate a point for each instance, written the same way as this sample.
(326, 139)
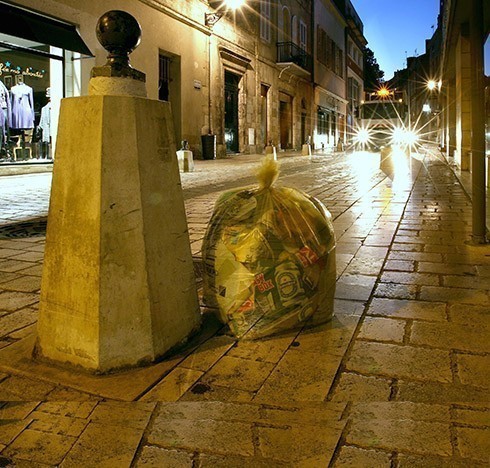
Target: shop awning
(17, 21)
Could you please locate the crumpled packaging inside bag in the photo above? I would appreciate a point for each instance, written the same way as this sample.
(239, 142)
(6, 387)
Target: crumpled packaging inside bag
(269, 258)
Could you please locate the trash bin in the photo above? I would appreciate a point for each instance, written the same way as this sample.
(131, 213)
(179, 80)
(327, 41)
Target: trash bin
(208, 146)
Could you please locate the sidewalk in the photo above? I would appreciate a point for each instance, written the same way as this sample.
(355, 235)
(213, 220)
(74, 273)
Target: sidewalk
(399, 378)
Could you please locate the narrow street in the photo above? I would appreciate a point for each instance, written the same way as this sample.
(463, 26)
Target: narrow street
(399, 377)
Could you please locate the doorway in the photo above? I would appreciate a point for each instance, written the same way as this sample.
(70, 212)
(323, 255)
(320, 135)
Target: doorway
(231, 112)
(264, 114)
(285, 120)
(303, 128)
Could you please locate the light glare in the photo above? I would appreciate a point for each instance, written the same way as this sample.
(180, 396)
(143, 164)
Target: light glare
(404, 137)
(431, 85)
(363, 136)
(234, 4)
(411, 137)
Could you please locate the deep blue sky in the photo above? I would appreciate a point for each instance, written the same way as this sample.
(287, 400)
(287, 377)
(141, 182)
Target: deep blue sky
(395, 26)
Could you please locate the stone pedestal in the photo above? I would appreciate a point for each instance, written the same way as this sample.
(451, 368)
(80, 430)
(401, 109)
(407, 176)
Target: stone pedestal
(185, 160)
(386, 160)
(118, 286)
(306, 150)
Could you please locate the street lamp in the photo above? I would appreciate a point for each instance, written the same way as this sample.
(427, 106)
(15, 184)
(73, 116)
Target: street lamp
(431, 85)
(434, 88)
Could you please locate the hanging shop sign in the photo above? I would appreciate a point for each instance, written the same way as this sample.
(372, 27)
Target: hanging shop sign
(6, 68)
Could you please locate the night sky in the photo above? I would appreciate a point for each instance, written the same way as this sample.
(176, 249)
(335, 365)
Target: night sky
(395, 26)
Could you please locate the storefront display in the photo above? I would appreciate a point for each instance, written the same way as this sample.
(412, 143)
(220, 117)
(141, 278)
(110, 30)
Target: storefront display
(25, 78)
(38, 58)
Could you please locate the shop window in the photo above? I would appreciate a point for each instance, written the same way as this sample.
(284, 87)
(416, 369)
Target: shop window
(322, 128)
(31, 86)
(34, 77)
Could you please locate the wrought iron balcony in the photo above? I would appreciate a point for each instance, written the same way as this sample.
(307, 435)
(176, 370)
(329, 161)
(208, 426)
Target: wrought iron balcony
(289, 53)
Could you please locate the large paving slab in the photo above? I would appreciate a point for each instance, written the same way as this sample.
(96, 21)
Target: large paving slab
(179, 434)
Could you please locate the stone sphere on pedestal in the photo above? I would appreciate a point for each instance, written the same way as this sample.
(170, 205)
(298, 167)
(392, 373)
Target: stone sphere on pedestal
(118, 31)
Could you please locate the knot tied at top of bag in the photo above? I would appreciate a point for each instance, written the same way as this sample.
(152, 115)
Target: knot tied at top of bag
(268, 172)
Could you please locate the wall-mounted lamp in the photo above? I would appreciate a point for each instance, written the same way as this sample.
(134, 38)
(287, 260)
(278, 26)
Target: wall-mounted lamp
(210, 19)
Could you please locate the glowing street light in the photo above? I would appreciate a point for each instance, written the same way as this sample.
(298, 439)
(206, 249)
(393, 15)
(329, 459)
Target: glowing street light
(210, 19)
(383, 92)
(234, 4)
(431, 85)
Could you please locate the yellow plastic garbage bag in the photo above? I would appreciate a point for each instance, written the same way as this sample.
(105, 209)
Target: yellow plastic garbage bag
(269, 258)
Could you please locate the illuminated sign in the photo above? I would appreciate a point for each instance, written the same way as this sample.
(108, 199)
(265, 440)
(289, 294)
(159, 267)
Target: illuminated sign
(6, 68)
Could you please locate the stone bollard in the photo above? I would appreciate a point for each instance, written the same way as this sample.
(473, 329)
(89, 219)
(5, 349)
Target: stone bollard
(306, 150)
(386, 160)
(118, 286)
(186, 161)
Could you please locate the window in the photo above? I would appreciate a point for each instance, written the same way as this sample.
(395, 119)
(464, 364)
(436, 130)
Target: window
(265, 20)
(322, 45)
(339, 61)
(328, 52)
(353, 93)
(285, 29)
(294, 29)
(331, 54)
(302, 35)
(164, 78)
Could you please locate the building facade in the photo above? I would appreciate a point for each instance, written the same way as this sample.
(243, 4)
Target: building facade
(329, 74)
(355, 42)
(465, 29)
(280, 72)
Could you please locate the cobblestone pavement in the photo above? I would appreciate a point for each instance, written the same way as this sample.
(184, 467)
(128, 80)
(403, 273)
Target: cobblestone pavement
(399, 378)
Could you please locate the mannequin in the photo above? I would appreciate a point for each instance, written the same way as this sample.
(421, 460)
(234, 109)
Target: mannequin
(22, 106)
(45, 125)
(22, 117)
(4, 113)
